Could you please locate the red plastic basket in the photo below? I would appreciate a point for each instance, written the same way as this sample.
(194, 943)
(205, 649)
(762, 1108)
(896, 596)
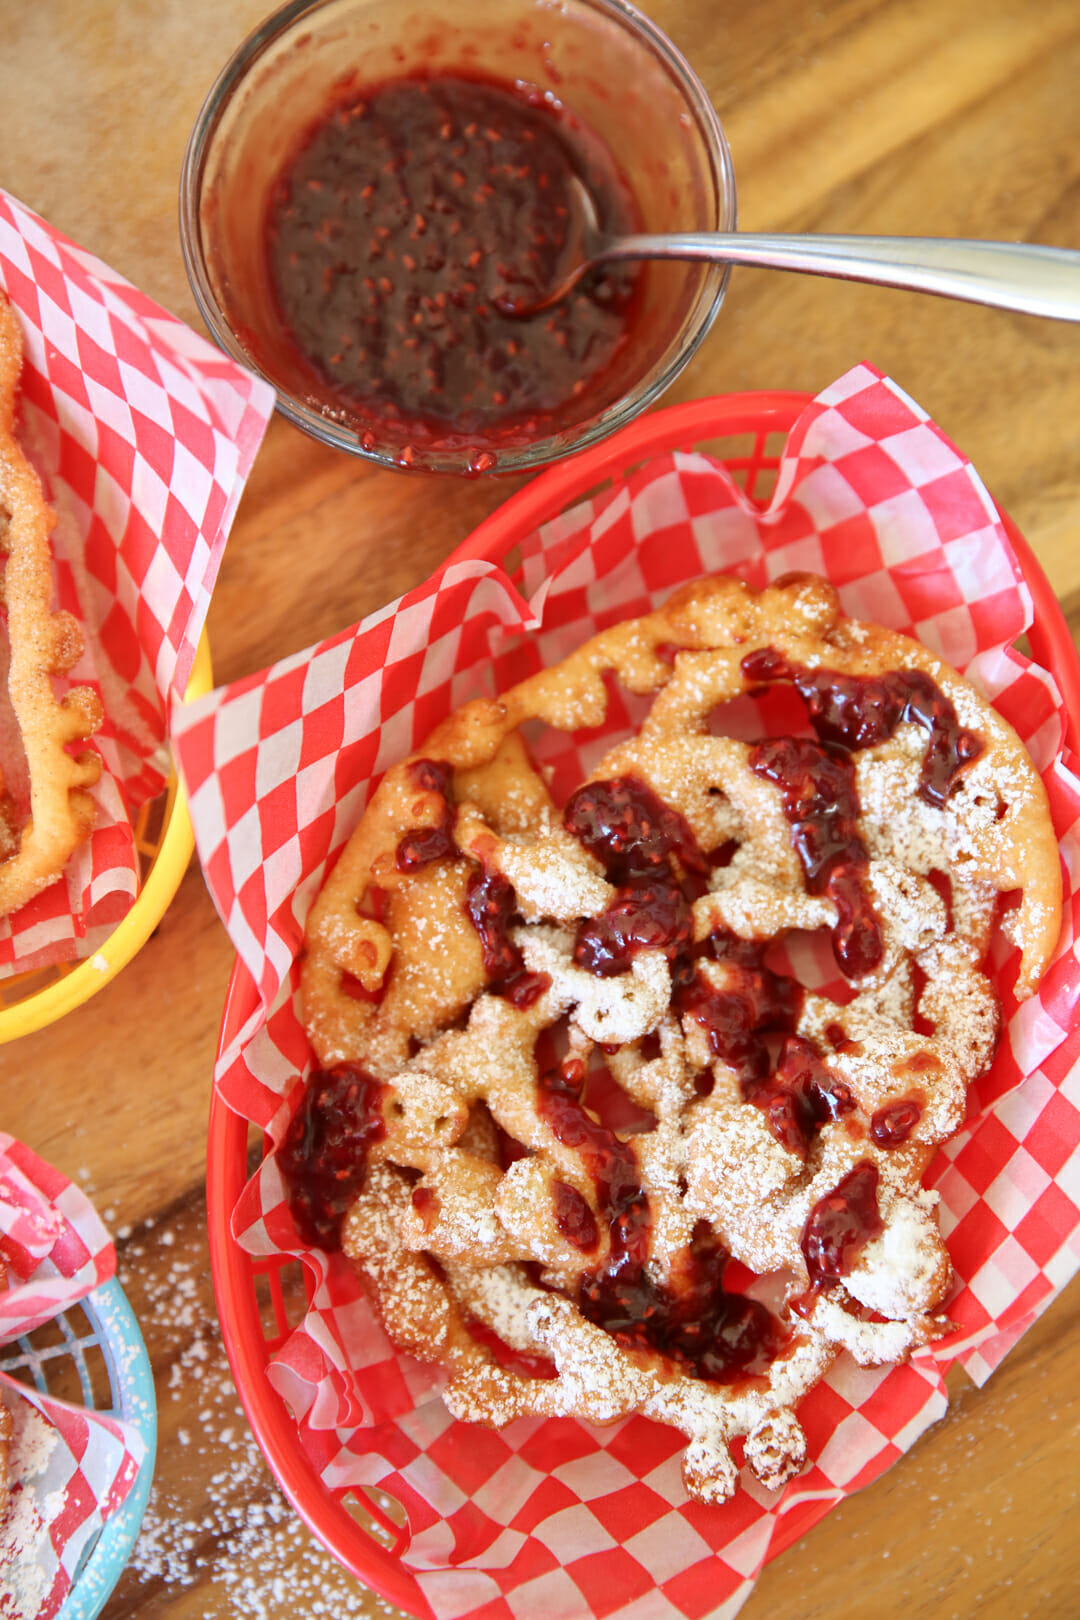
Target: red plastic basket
(747, 432)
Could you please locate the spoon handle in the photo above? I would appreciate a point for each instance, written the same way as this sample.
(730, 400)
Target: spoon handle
(1011, 275)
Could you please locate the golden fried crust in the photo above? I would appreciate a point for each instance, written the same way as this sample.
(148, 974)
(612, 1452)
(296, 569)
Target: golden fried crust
(41, 643)
(394, 980)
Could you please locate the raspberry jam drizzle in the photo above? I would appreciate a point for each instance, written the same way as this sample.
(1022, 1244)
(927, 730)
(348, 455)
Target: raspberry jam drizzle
(490, 901)
(408, 217)
(574, 1217)
(611, 1163)
(648, 914)
(323, 1158)
(753, 1003)
(630, 829)
(695, 1322)
(840, 1225)
(893, 1124)
(802, 1095)
(435, 843)
(817, 782)
(491, 905)
(861, 711)
(851, 712)
(634, 835)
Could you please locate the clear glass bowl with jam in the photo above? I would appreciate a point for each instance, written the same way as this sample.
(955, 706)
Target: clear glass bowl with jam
(371, 186)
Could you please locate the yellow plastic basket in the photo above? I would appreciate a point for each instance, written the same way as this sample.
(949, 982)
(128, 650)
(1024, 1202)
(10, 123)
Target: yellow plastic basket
(164, 841)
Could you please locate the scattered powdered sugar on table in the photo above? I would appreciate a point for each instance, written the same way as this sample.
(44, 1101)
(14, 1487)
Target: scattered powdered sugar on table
(24, 1529)
(216, 1520)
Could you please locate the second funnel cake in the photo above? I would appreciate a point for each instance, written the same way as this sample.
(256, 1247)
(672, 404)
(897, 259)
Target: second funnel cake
(599, 1129)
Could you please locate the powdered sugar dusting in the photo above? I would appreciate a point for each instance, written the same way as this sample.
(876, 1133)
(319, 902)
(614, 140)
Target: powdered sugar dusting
(217, 1524)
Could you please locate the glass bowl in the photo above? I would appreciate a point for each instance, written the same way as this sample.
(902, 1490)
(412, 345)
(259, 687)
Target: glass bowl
(602, 65)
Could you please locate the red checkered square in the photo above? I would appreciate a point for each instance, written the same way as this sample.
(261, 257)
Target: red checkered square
(556, 1442)
(874, 475)
(609, 1581)
(981, 1157)
(722, 1530)
(665, 1546)
(909, 1394)
(642, 1446)
(877, 407)
(550, 1497)
(1040, 1230)
(627, 1512)
(1052, 1135)
(851, 549)
(955, 505)
(696, 1591)
(473, 1454)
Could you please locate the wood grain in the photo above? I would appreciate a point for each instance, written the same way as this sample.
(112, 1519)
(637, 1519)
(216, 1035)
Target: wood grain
(951, 117)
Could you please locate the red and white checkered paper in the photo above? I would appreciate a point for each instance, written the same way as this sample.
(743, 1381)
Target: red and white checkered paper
(143, 436)
(556, 1517)
(57, 1251)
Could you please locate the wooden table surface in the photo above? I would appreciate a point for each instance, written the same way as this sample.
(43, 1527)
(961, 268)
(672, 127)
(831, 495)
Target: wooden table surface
(919, 117)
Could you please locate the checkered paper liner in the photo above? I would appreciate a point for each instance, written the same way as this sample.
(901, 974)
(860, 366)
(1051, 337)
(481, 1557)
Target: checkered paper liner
(555, 1517)
(57, 1251)
(143, 436)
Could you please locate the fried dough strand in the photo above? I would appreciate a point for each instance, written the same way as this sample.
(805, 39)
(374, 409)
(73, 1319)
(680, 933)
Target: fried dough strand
(35, 845)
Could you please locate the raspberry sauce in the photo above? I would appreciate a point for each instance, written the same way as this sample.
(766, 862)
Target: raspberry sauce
(821, 803)
(406, 220)
(574, 1217)
(861, 711)
(801, 1096)
(434, 843)
(893, 1124)
(755, 1002)
(851, 712)
(611, 1163)
(490, 901)
(840, 1225)
(706, 1329)
(491, 905)
(630, 829)
(323, 1158)
(646, 915)
(695, 1322)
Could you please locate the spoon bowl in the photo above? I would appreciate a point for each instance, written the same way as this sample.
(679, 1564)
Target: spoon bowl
(1022, 276)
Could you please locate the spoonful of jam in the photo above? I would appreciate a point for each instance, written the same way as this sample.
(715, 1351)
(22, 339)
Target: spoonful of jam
(1022, 276)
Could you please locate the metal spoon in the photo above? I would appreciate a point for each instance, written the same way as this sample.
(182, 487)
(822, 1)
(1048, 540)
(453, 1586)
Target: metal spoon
(1009, 275)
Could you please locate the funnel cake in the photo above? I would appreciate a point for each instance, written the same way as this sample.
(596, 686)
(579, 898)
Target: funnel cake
(596, 1141)
(45, 810)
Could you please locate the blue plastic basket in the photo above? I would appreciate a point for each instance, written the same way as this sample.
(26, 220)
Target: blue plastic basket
(111, 1329)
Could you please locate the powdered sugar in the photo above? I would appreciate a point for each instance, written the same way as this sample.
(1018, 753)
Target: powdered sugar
(216, 1523)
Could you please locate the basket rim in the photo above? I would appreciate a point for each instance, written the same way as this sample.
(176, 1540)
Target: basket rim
(674, 427)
